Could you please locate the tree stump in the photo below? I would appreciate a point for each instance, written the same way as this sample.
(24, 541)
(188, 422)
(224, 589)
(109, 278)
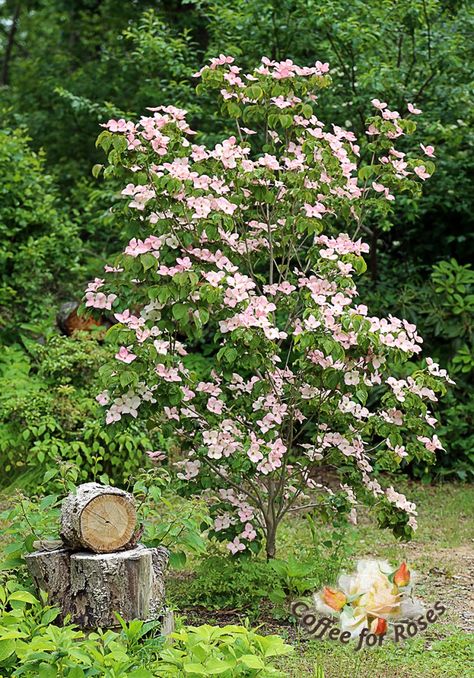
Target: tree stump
(92, 586)
(98, 517)
(113, 575)
(50, 571)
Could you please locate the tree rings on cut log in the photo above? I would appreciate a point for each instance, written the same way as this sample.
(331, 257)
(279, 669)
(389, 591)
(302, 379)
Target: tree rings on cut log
(100, 518)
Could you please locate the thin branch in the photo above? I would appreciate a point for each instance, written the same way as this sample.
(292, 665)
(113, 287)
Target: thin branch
(17, 44)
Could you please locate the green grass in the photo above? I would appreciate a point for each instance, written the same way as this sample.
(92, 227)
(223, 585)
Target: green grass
(446, 521)
(444, 653)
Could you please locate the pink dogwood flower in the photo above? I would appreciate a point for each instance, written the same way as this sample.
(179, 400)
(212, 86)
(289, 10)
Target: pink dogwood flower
(125, 355)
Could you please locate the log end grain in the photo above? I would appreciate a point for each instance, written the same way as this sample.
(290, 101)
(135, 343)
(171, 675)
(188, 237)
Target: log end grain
(98, 517)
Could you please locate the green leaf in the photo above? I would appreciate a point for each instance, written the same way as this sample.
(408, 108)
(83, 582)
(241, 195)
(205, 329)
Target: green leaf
(52, 473)
(254, 92)
(13, 634)
(200, 669)
(7, 648)
(47, 672)
(104, 140)
(126, 378)
(180, 311)
(23, 596)
(77, 672)
(48, 501)
(286, 121)
(252, 662)
(177, 559)
(274, 646)
(277, 596)
(148, 261)
(50, 615)
(230, 354)
(234, 110)
(365, 172)
(215, 666)
(360, 265)
(96, 170)
(203, 315)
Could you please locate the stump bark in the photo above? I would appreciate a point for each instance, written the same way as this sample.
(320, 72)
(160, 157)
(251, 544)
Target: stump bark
(101, 518)
(92, 586)
(50, 571)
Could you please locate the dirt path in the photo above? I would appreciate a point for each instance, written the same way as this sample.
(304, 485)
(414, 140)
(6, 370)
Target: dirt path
(451, 581)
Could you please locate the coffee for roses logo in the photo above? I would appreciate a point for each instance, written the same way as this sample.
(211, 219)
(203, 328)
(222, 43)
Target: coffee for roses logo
(371, 604)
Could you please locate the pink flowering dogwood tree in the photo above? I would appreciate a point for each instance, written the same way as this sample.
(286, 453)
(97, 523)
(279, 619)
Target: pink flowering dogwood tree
(246, 244)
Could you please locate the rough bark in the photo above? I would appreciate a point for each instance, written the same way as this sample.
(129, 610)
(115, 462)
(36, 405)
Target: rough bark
(167, 622)
(50, 571)
(270, 541)
(99, 518)
(92, 586)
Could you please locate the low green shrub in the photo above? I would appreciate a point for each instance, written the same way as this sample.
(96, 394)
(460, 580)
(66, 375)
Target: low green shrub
(32, 645)
(169, 520)
(222, 583)
(226, 651)
(250, 587)
(49, 412)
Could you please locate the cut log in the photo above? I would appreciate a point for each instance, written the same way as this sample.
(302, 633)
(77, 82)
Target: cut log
(92, 586)
(68, 320)
(98, 517)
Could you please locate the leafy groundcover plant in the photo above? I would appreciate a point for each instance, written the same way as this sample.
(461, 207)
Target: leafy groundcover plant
(31, 645)
(243, 246)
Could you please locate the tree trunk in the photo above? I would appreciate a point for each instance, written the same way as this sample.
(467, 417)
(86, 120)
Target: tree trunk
(92, 586)
(270, 540)
(9, 46)
(99, 518)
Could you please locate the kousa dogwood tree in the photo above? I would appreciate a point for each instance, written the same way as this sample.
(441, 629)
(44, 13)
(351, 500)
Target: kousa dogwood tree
(252, 247)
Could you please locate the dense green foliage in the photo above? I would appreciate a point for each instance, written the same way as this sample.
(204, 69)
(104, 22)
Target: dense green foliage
(442, 307)
(48, 411)
(78, 63)
(31, 645)
(39, 244)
